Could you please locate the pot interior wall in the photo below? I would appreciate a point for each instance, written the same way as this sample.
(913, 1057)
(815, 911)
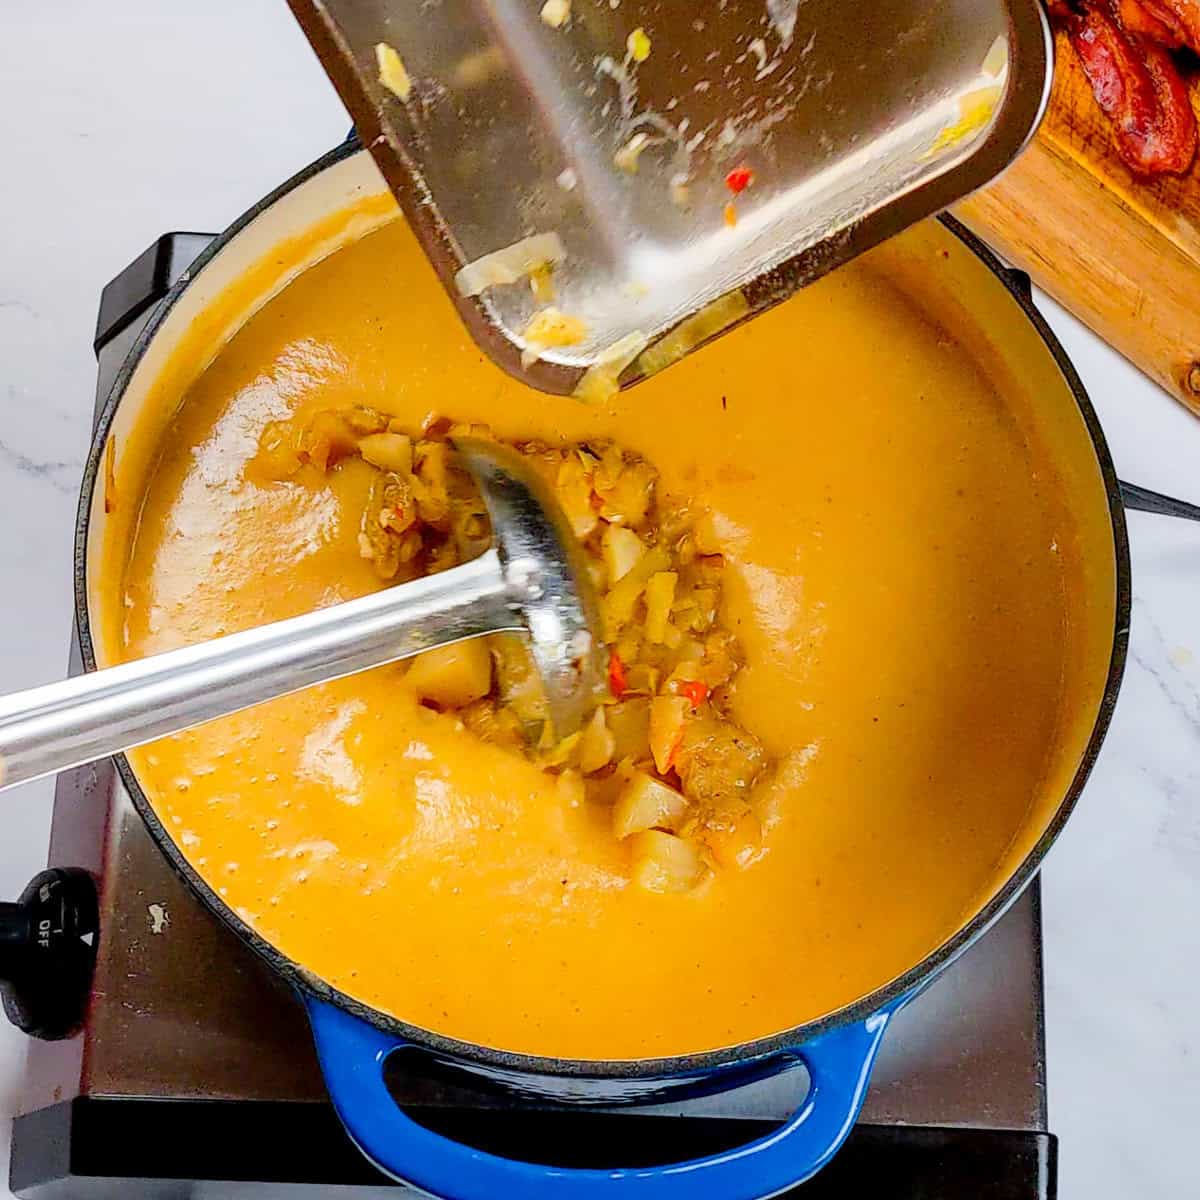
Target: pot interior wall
(284, 236)
(969, 304)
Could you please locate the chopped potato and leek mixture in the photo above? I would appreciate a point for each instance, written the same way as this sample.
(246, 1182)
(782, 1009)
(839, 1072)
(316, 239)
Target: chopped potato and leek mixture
(660, 749)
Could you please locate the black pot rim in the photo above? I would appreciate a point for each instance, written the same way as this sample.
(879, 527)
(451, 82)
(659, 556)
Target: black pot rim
(624, 1069)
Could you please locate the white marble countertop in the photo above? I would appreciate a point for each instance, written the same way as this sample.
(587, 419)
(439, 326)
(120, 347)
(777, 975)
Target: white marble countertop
(119, 121)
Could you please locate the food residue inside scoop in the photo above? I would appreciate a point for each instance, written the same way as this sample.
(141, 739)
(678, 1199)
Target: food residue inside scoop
(556, 12)
(392, 72)
(688, 334)
(975, 111)
(599, 382)
(626, 159)
(541, 283)
(995, 62)
(548, 328)
(739, 179)
(510, 263)
(782, 15)
(480, 68)
(638, 45)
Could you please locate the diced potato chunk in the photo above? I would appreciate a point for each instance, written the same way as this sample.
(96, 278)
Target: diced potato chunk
(663, 862)
(452, 676)
(388, 452)
(667, 717)
(618, 606)
(596, 747)
(646, 803)
(687, 671)
(277, 458)
(574, 490)
(629, 723)
(622, 549)
(660, 593)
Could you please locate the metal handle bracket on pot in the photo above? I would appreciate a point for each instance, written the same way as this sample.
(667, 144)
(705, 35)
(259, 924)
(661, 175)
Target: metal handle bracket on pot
(1142, 499)
(352, 1055)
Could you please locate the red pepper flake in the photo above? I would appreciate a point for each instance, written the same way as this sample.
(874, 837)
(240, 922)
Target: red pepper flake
(618, 681)
(695, 691)
(739, 179)
(730, 214)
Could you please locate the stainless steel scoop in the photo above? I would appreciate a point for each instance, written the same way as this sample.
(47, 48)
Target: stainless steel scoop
(531, 580)
(626, 127)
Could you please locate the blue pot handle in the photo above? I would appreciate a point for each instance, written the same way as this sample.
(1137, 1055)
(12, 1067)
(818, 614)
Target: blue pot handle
(352, 1054)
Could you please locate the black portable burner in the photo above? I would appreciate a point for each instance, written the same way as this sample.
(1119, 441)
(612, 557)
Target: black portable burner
(192, 1073)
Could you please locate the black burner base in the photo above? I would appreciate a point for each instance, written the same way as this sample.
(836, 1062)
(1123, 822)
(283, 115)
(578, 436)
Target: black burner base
(147, 1149)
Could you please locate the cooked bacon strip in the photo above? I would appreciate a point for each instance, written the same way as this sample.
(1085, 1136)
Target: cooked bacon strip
(1183, 15)
(1150, 19)
(1171, 145)
(1120, 82)
(1140, 90)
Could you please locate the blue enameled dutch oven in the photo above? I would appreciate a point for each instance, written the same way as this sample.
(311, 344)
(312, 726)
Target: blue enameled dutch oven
(983, 303)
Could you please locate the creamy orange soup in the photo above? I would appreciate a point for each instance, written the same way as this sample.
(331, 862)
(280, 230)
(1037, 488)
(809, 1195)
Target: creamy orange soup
(902, 572)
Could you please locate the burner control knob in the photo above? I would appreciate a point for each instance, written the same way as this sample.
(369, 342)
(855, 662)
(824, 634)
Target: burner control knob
(47, 952)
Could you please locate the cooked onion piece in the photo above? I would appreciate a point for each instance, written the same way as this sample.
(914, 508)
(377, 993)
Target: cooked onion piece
(712, 319)
(510, 264)
(599, 382)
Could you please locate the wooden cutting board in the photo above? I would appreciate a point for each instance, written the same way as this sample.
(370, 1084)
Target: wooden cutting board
(1121, 253)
